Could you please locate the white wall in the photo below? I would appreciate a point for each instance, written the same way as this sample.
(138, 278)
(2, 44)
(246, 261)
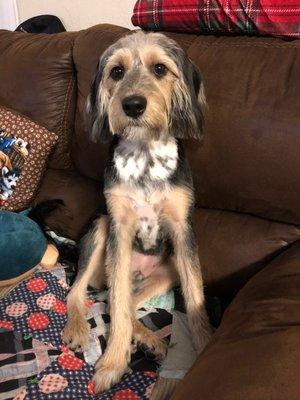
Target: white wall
(79, 14)
(8, 14)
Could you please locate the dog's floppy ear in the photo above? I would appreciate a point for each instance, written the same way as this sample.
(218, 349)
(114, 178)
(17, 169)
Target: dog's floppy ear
(4, 171)
(188, 101)
(96, 117)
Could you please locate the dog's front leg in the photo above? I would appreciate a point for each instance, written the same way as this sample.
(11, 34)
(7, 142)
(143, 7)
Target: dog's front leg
(113, 364)
(176, 215)
(91, 264)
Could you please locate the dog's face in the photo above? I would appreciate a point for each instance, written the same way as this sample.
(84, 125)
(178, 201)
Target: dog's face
(22, 146)
(145, 88)
(10, 178)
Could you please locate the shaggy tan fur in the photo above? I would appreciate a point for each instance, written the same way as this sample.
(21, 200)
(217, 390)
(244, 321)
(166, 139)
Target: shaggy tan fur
(174, 110)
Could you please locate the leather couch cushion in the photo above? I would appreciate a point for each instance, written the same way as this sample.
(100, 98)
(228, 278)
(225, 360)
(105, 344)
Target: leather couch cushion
(255, 353)
(38, 80)
(233, 247)
(249, 161)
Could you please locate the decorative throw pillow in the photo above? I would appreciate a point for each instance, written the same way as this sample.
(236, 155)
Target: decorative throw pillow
(24, 150)
(236, 17)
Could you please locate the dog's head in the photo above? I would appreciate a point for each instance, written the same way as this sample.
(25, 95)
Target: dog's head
(145, 88)
(22, 146)
(10, 178)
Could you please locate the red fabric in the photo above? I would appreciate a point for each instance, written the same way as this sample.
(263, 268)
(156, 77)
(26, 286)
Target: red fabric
(252, 17)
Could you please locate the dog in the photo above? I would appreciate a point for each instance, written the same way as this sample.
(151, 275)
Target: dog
(22, 146)
(8, 182)
(146, 97)
(12, 142)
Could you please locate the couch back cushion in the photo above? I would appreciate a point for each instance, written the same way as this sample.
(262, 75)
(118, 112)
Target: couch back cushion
(38, 80)
(249, 161)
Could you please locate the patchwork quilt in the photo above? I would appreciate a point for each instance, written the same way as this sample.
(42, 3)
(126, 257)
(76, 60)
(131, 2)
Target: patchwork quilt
(35, 364)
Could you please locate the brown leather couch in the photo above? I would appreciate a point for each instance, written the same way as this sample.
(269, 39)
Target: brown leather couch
(247, 180)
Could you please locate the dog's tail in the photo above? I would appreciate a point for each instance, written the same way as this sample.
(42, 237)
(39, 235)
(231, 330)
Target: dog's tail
(43, 210)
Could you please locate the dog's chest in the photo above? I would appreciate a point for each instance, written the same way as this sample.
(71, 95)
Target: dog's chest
(154, 161)
(144, 169)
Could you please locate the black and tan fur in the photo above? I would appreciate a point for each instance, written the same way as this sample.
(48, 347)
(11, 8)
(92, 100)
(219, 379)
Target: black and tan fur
(146, 97)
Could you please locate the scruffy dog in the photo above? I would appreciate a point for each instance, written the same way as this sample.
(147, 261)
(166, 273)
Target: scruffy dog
(146, 96)
(8, 182)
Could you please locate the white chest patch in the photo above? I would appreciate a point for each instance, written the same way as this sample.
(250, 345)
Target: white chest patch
(154, 161)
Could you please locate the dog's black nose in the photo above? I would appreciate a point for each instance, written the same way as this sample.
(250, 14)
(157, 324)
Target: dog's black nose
(134, 106)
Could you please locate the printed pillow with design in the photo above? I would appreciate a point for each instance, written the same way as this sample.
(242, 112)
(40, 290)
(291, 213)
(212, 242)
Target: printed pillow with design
(24, 151)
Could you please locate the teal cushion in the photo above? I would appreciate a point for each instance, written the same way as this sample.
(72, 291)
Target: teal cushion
(22, 244)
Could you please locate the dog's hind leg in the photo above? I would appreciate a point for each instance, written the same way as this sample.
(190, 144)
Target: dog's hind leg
(163, 279)
(159, 282)
(91, 265)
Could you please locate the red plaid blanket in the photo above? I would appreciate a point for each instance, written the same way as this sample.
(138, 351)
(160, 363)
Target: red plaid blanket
(250, 17)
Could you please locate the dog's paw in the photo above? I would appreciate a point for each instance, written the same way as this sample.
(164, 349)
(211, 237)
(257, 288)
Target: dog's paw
(159, 348)
(149, 341)
(76, 334)
(155, 346)
(107, 374)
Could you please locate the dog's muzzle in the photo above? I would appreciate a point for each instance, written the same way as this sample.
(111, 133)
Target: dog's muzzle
(134, 106)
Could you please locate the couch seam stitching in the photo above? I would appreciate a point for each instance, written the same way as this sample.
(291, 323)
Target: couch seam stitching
(262, 45)
(66, 102)
(68, 107)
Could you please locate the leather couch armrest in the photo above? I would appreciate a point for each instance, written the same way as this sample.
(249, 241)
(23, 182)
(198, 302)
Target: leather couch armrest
(255, 353)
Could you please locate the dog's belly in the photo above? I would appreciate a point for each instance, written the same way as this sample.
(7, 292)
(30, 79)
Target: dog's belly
(148, 244)
(150, 238)
(143, 265)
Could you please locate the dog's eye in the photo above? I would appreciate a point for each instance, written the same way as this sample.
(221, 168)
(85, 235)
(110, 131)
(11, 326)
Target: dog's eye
(117, 73)
(160, 70)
